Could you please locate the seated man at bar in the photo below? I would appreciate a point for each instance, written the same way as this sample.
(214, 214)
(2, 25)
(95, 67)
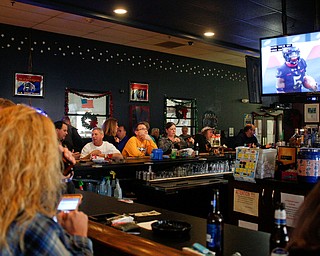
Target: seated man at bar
(203, 139)
(62, 132)
(30, 188)
(99, 148)
(123, 137)
(155, 133)
(141, 144)
(247, 137)
(73, 138)
(186, 136)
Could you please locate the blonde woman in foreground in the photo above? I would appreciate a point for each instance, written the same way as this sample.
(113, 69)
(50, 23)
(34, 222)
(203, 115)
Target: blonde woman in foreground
(30, 187)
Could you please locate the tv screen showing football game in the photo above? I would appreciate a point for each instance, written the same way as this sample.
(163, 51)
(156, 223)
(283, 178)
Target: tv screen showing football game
(290, 64)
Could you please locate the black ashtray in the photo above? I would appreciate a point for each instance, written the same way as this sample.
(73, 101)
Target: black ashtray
(104, 218)
(171, 227)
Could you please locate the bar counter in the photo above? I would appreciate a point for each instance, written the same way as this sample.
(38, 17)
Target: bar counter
(179, 169)
(191, 194)
(109, 241)
(127, 167)
(177, 182)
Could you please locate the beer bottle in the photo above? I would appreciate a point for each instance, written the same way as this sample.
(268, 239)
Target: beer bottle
(279, 236)
(215, 226)
(295, 140)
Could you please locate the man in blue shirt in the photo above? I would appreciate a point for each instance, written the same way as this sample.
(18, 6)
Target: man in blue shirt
(122, 135)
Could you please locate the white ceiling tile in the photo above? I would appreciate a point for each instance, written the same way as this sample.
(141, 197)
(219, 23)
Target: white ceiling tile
(59, 30)
(95, 29)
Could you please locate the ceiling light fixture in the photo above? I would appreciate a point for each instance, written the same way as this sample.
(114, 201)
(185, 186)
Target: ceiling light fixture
(209, 34)
(120, 11)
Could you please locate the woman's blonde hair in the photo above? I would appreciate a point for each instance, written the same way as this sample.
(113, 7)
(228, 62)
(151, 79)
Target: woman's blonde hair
(109, 126)
(4, 103)
(30, 167)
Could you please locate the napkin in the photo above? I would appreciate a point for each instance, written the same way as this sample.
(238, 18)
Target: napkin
(144, 214)
(146, 225)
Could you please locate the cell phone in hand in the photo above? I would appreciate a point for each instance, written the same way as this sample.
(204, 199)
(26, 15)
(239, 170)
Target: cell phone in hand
(69, 202)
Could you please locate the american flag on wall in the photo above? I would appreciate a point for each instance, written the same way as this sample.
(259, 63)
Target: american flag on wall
(85, 103)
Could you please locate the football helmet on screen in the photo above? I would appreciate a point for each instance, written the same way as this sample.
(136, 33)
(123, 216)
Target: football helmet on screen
(291, 55)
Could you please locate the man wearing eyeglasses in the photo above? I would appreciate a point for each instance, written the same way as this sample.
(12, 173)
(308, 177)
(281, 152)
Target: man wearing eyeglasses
(247, 137)
(141, 144)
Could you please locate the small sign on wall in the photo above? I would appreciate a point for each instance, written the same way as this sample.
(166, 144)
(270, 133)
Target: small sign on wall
(292, 202)
(311, 113)
(247, 119)
(246, 202)
(30, 85)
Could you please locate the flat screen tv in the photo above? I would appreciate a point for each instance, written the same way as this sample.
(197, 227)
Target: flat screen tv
(290, 64)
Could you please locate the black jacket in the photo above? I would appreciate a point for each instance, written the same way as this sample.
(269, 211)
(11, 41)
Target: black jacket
(242, 140)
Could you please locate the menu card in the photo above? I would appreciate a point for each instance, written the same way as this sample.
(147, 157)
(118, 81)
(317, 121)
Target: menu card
(246, 164)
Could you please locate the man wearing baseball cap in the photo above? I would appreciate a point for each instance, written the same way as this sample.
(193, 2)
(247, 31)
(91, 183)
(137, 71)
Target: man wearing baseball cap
(203, 139)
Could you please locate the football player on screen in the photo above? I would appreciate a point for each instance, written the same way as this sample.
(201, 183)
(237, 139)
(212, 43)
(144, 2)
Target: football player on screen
(291, 76)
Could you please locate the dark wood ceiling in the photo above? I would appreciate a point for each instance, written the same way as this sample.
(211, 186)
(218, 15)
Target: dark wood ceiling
(238, 24)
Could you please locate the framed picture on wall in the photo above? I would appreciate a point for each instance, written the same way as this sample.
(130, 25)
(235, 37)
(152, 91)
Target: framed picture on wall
(139, 92)
(311, 113)
(30, 85)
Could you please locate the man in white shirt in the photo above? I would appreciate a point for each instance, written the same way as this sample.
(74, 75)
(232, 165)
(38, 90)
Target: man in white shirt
(98, 147)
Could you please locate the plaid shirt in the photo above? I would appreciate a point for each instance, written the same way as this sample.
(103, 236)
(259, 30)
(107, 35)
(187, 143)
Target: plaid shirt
(44, 236)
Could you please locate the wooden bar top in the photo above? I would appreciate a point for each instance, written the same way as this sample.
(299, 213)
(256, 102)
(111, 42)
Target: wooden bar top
(109, 241)
(126, 243)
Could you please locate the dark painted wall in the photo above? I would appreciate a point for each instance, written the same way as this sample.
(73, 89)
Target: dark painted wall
(91, 65)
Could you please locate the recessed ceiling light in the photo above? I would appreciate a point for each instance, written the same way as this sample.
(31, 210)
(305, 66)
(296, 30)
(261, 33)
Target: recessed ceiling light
(209, 34)
(120, 11)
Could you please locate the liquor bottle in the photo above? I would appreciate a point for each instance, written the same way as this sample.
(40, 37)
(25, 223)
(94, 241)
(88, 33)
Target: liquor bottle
(279, 236)
(118, 190)
(196, 149)
(303, 137)
(215, 226)
(108, 187)
(295, 140)
(316, 142)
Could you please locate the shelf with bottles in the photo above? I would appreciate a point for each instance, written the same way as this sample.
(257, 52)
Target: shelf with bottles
(187, 171)
(307, 136)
